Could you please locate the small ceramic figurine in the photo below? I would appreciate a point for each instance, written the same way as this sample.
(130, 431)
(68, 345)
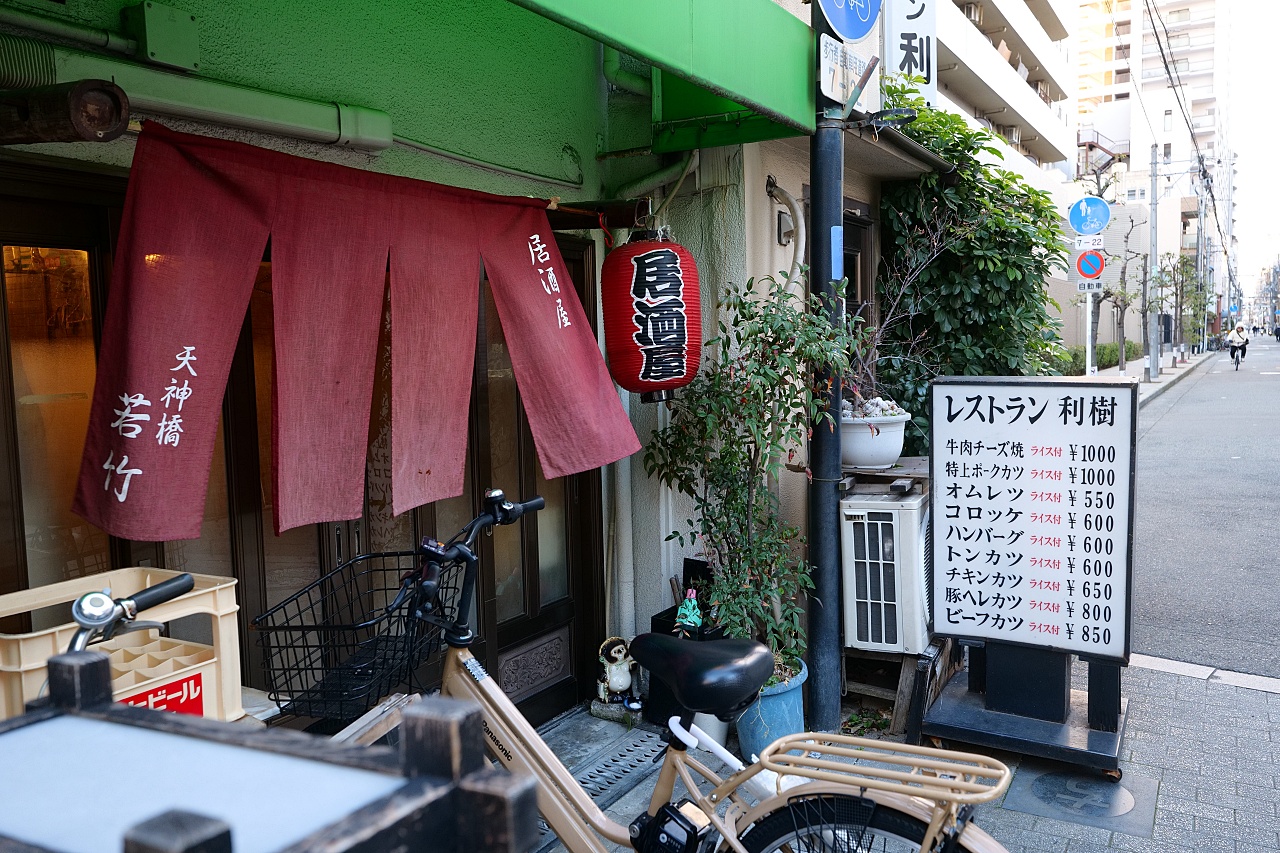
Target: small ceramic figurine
(616, 684)
(689, 616)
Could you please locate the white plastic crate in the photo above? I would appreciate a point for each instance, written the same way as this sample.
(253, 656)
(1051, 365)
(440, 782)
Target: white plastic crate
(145, 669)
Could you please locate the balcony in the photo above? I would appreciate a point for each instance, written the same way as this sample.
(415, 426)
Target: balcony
(1053, 16)
(980, 75)
(1025, 39)
(1195, 19)
(1178, 45)
(1184, 70)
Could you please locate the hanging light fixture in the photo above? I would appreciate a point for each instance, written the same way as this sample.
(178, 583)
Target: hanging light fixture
(652, 316)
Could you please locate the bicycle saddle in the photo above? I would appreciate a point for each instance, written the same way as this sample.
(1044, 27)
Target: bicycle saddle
(719, 677)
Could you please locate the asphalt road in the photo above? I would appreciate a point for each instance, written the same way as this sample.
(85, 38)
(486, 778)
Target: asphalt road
(1207, 535)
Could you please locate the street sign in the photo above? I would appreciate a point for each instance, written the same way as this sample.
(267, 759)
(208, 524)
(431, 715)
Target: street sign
(911, 43)
(851, 19)
(1089, 215)
(841, 67)
(1092, 241)
(1089, 286)
(1052, 521)
(1090, 264)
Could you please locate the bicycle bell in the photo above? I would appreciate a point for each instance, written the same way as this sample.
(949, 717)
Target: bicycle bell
(94, 610)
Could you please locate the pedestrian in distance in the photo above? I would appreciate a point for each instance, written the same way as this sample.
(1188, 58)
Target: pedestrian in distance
(1238, 339)
(1278, 333)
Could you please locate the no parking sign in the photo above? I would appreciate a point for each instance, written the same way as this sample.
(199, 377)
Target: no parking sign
(1090, 264)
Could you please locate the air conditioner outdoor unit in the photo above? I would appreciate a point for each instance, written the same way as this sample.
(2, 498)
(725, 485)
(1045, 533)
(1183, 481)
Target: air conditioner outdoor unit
(1012, 133)
(973, 11)
(886, 564)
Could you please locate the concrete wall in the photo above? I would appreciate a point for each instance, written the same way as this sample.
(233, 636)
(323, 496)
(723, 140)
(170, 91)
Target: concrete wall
(707, 217)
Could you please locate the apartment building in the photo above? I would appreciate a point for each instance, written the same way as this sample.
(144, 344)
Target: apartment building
(1152, 85)
(1007, 65)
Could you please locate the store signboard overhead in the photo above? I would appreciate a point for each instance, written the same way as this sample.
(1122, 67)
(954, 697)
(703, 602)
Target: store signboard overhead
(705, 42)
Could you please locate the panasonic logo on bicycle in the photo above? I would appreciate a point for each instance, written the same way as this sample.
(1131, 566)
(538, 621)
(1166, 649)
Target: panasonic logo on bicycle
(497, 744)
(477, 671)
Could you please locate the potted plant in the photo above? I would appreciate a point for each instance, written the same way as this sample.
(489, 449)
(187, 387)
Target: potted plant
(748, 412)
(873, 424)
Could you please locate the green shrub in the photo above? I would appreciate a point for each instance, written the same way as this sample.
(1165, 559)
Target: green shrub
(1106, 355)
(985, 241)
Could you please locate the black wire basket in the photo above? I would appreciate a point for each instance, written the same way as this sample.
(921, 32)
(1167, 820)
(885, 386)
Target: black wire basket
(335, 648)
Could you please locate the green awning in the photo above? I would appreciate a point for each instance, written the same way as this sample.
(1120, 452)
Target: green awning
(750, 63)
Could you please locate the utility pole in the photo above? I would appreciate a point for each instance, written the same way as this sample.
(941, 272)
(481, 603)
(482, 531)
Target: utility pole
(826, 253)
(1202, 259)
(1153, 318)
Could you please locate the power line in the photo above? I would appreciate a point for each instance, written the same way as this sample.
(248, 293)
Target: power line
(1175, 82)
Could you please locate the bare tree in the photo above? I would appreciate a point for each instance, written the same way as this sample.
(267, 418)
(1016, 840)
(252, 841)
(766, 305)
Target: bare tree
(1120, 295)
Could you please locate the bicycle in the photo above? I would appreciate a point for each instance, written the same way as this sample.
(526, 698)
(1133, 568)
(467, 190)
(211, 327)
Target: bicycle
(101, 617)
(800, 793)
(1236, 356)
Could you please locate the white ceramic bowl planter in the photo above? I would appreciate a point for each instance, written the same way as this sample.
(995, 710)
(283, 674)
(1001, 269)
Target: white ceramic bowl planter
(873, 438)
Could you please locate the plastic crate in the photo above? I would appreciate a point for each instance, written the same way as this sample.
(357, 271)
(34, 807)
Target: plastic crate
(136, 669)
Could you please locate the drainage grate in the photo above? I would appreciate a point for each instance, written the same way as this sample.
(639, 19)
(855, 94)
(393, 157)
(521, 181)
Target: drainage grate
(612, 772)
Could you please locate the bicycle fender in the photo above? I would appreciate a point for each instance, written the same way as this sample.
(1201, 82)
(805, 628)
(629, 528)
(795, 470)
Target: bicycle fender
(975, 838)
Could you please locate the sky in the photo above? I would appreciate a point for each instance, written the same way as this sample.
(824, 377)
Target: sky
(1253, 120)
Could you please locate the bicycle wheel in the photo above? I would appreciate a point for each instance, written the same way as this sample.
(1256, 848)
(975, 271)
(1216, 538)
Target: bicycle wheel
(836, 823)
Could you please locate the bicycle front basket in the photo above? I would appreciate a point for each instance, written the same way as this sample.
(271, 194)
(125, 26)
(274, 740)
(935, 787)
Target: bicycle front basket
(335, 648)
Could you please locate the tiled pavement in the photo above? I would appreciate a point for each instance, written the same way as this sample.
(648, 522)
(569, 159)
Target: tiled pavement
(1213, 747)
(1201, 762)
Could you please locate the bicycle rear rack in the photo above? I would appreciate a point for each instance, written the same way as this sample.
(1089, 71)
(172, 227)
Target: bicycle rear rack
(917, 771)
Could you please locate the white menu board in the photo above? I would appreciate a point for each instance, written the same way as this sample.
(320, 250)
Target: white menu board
(1032, 498)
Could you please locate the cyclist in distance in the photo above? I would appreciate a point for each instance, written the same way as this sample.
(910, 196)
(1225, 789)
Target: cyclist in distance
(1238, 339)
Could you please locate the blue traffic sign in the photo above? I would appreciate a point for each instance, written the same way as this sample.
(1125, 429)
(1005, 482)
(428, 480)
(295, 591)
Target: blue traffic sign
(1089, 215)
(1090, 264)
(851, 19)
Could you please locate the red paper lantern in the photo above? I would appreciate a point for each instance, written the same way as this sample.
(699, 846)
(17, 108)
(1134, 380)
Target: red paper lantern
(652, 316)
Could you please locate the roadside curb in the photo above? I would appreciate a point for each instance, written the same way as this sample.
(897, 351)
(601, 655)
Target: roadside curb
(1173, 380)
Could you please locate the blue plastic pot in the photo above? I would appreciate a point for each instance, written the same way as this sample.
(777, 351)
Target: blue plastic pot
(778, 711)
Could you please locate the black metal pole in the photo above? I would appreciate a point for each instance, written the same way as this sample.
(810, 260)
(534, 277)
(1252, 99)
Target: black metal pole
(826, 254)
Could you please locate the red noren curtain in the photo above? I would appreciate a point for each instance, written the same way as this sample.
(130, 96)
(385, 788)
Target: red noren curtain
(198, 214)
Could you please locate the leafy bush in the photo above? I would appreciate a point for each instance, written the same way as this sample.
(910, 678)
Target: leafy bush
(980, 307)
(730, 430)
(1106, 355)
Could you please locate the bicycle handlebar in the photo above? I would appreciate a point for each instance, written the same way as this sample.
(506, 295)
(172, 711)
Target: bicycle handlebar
(512, 510)
(164, 591)
(498, 511)
(98, 614)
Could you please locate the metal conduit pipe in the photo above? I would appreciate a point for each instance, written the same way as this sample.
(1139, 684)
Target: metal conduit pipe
(574, 183)
(625, 80)
(800, 240)
(72, 32)
(25, 63)
(642, 186)
(624, 546)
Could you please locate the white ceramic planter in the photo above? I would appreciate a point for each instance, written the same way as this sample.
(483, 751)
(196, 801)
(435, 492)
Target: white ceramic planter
(872, 442)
